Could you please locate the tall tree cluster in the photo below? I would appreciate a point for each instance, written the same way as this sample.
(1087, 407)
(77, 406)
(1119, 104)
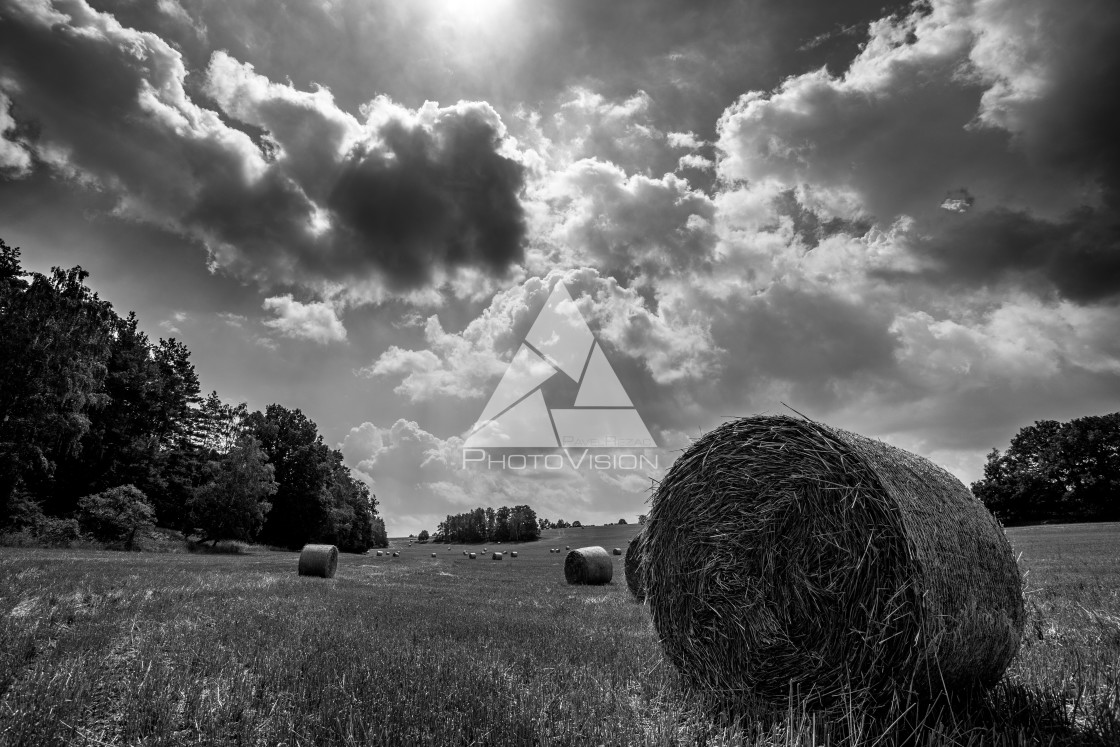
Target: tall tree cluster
(89, 405)
(517, 524)
(1056, 471)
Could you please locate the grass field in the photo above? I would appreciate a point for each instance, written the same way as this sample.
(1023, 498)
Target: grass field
(174, 648)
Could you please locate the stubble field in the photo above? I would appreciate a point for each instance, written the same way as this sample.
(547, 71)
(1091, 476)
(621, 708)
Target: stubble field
(173, 648)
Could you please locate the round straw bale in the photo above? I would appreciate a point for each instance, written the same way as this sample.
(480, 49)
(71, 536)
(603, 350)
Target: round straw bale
(616, 551)
(379, 553)
(588, 565)
(632, 564)
(396, 554)
(496, 556)
(513, 554)
(471, 556)
(433, 555)
(784, 555)
(566, 547)
(318, 560)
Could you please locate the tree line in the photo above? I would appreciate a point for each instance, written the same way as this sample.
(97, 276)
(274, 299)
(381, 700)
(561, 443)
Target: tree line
(100, 424)
(1056, 472)
(517, 524)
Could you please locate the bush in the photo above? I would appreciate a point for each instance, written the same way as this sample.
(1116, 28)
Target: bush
(57, 532)
(116, 515)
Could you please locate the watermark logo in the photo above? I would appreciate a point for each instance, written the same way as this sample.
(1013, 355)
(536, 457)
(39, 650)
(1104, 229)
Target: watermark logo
(559, 344)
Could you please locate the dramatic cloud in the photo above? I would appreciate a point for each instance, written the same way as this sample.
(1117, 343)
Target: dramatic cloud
(281, 185)
(13, 156)
(305, 321)
(632, 227)
(904, 223)
(1001, 101)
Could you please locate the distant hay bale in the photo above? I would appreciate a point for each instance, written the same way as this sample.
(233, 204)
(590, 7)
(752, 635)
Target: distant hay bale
(513, 554)
(632, 564)
(396, 554)
(318, 560)
(471, 556)
(782, 555)
(379, 553)
(496, 556)
(464, 552)
(588, 565)
(433, 555)
(566, 547)
(616, 551)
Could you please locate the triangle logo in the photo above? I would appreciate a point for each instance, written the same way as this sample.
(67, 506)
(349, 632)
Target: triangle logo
(560, 344)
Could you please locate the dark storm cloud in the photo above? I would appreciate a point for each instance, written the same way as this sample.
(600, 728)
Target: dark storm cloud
(1078, 257)
(433, 197)
(281, 185)
(692, 58)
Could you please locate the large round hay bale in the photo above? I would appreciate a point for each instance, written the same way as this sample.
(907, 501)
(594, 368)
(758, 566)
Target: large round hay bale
(496, 556)
(632, 564)
(471, 556)
(379, 553)
(513, 554)
(782, 555)
(396, 554)
(588, 565)
(318, 560)
(433, 555)
(616, 551)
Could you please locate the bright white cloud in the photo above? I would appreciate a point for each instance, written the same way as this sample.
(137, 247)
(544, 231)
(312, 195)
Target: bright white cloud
(13, 156)
(315, 321)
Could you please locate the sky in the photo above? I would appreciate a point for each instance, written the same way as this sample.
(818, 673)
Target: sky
(898, 219)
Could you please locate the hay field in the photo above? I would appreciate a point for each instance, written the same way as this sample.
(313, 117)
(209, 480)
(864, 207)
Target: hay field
(146, 648)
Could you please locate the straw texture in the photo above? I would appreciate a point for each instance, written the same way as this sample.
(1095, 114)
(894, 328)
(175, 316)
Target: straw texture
(588, 565)
(318, 560)
(782, 555)
(632, 564)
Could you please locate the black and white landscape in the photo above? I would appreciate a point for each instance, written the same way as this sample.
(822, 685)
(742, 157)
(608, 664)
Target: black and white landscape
(346, 217)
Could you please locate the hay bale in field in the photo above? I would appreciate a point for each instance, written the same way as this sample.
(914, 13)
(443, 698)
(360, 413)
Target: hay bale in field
(464, 552)
(318, 560)
(632, 564)
(379, 553)
(616, 551)
(513, 554)
(496, 556)
(471, 556)
(782, 555)
(433, 555)
(396, 554)
(566, 548)
(588, 565)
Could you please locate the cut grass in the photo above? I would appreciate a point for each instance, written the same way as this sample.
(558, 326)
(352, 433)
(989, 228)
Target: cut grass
(129, 648)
